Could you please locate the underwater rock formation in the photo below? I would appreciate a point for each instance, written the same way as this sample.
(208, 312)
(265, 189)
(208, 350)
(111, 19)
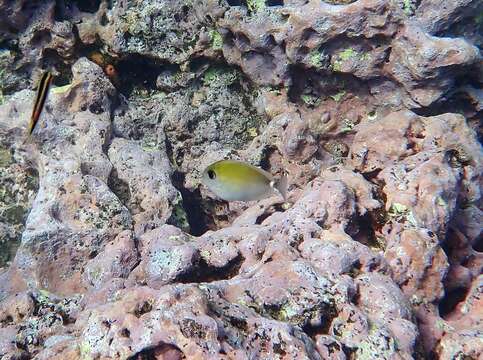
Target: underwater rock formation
(111, 248)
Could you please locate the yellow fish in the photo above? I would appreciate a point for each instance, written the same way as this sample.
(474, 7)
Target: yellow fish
(42, 91)
(234, 180)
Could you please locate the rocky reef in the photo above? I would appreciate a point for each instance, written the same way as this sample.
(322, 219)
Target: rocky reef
(112, 249)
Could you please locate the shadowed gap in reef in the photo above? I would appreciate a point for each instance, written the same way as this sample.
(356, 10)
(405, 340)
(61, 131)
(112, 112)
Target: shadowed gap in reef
(161, 351)
(451, 299)
(138, 71)
(207, 273)
(459, 100)
(455, 296)
(192, 205)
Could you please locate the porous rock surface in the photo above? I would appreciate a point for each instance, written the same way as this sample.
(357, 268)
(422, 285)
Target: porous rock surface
(110, 247)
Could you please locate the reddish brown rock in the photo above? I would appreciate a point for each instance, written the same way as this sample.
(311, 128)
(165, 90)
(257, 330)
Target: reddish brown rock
(116, 260)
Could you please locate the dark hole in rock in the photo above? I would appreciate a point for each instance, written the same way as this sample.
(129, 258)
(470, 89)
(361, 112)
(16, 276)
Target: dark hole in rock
(199, 64)
(143, 308)
(371, 175)
(298, 80)
(119, 187)
(274, 2)
(229, 38)
(96, 108)
(106, 323)
(265, 161)
(362, 230)
(8, 319)
(125, 333)
(192, 204)
(104, 20)
(269, 41)
(161, 351)
(478, 244)
(339, 2)
(327, 313)
(236, 2)
(207, 273)
(242, 41)
(452, 298)
(90, 6)
(309, 33)
(458, 101)
(269, 211)
(138, 71)
(183, 14)
(41, 37)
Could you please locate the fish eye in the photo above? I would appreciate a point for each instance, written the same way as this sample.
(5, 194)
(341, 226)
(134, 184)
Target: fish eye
(211, 174)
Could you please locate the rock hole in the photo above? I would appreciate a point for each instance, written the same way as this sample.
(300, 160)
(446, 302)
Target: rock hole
(182, 15)
(328, 313)
(451, 299)
(138, 71)
(269, 211)
(269, 41)
(41, 37)
(161, 351)
(125, 333)
(309, 33)
(274, 2)
(199, 64)
(106, 323)
(143, 308)
(207, 273)
(242, 41)
(298, 80)
(192, 204)
(104, 20)
(119, 187)
(236, 2)
(90, 6)
(478, 244)
(8, 319)
(362, 230)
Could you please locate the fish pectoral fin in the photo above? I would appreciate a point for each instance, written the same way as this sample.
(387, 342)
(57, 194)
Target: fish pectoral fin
(280, 185)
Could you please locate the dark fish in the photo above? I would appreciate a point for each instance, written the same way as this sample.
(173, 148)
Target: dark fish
(42, 91)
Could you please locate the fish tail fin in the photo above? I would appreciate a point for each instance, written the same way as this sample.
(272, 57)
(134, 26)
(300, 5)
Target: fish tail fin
(281, 185)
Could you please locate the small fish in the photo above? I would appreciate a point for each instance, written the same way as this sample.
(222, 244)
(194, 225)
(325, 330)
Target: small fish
(42, 91)
(234, 180)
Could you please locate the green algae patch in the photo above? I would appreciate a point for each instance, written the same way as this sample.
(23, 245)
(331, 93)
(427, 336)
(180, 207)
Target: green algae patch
(216, 40)
(310, 100)
(178, 216)
(218, 76)
(401, 213)
(256, 5)
(338, 97)
(317, 59)
(347, 55)
(5, 157)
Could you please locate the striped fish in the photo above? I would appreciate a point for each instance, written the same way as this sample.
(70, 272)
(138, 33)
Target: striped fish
(42, 91)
